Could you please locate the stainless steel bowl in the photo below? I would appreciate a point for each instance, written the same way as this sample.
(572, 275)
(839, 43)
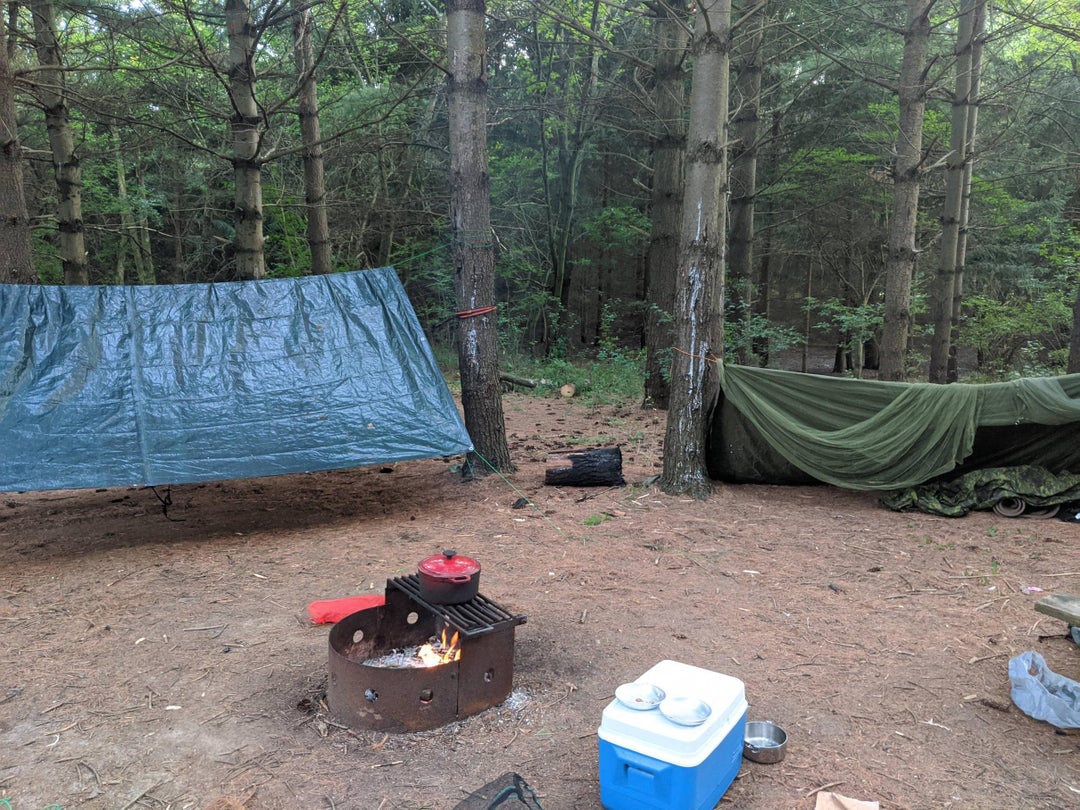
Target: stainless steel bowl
(764, 742)
(640, 696)
(684, 710)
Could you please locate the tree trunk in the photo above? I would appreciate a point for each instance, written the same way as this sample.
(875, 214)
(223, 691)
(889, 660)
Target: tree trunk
(246, 140)
(16, 264)
(470, 228)
(744, 149)
(50, 87)
(127, 244)
(1071, 214)
(562, 167)
(1074, 338)
(145, 263)
(952, 210)
(699, 290)
(902, 253)
(663, 257)
(318, 231)
(972, 118)
(763, 301)
(178, 220)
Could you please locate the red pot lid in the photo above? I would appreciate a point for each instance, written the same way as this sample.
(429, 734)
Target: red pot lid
(449, 565)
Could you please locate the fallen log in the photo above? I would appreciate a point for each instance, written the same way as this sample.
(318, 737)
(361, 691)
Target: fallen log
(588, 468)
(510, 378)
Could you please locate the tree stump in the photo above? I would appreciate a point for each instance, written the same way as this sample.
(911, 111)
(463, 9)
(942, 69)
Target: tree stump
(589, 468)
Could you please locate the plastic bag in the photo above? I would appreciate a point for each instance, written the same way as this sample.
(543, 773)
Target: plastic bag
(1042, 693)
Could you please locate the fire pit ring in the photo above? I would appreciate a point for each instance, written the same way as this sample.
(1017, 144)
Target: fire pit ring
(400, 699)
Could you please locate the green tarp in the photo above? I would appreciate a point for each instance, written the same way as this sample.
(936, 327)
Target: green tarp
(785, 427)
(147, 385)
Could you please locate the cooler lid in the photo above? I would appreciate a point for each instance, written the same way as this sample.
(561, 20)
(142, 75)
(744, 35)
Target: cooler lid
(652, 734)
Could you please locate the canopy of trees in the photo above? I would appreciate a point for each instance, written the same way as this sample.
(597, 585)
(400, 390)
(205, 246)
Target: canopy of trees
(173, 141)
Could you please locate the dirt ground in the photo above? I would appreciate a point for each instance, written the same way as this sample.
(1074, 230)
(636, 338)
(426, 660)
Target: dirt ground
(153, 659)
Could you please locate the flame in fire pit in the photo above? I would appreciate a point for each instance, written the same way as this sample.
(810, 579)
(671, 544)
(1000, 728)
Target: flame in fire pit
(440, 651)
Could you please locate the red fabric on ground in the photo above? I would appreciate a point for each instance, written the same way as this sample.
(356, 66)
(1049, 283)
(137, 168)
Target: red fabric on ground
(328, 611)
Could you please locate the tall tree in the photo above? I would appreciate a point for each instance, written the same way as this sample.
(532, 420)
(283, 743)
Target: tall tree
(16, 266)
(50, 86)
(318, 232)
(669, 92)
(744, 148)
(571, 75)
(699, 289)
(957, 178)
(1072, 216)
(470, 229)
(972, 121)
(246, 141)
(907, 170)
(134, 231)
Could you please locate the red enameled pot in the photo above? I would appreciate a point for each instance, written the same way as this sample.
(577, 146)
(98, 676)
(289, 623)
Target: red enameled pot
(448, 578)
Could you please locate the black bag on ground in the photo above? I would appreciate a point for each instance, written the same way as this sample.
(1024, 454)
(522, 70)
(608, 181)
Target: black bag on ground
(508, 792)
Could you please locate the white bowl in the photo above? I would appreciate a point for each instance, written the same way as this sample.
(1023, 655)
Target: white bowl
(686, 711)
(639, 695)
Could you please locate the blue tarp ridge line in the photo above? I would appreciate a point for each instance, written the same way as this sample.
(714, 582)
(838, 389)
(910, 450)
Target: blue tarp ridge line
(148, 385)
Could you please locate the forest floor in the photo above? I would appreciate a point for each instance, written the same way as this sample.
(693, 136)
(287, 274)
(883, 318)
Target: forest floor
(154, 658)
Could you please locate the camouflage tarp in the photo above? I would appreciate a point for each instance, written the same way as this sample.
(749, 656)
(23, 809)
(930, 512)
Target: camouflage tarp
(982, 489)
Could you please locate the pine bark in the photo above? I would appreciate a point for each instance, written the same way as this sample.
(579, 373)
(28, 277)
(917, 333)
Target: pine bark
(950, 265)
(470, 227)
(902, 254)
(318, 231)
(134, 235)
(670, 141)
(601, 467)
(1072, 217)
(16, 264)
(744, 150)
(762, 306)
(952, 371)
(246, 138)
(147, 274)
(699, 290)
(50, 87)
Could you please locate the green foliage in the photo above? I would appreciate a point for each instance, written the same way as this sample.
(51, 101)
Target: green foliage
(885, 117)
(857, 324)
(1017, 335)
(747, 333)
(598, 382)
(571, 128)
(285, 233)
(46, 259)
(422, 265)
(620, 228)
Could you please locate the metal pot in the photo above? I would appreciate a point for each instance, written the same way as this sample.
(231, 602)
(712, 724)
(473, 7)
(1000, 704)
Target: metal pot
(448, 578)
(764, 742)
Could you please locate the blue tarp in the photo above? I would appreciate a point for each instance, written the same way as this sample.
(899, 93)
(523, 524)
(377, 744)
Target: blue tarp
(148, 385)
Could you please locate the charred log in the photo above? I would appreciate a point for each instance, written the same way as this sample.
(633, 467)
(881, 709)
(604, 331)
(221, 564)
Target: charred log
(590, 468)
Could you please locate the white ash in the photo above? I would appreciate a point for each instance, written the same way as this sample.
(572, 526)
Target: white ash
(408, 658)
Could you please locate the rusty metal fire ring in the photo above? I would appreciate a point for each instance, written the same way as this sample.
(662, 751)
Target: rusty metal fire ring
(401, 699)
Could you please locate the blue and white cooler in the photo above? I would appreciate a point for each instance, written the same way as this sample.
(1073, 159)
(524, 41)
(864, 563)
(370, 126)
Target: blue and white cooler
(682, 753)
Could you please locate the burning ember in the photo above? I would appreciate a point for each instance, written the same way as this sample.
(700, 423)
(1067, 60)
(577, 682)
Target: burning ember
(438, 651)
(435, 652)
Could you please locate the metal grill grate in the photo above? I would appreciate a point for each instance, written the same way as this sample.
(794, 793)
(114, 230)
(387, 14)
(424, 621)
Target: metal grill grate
(476, 617)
